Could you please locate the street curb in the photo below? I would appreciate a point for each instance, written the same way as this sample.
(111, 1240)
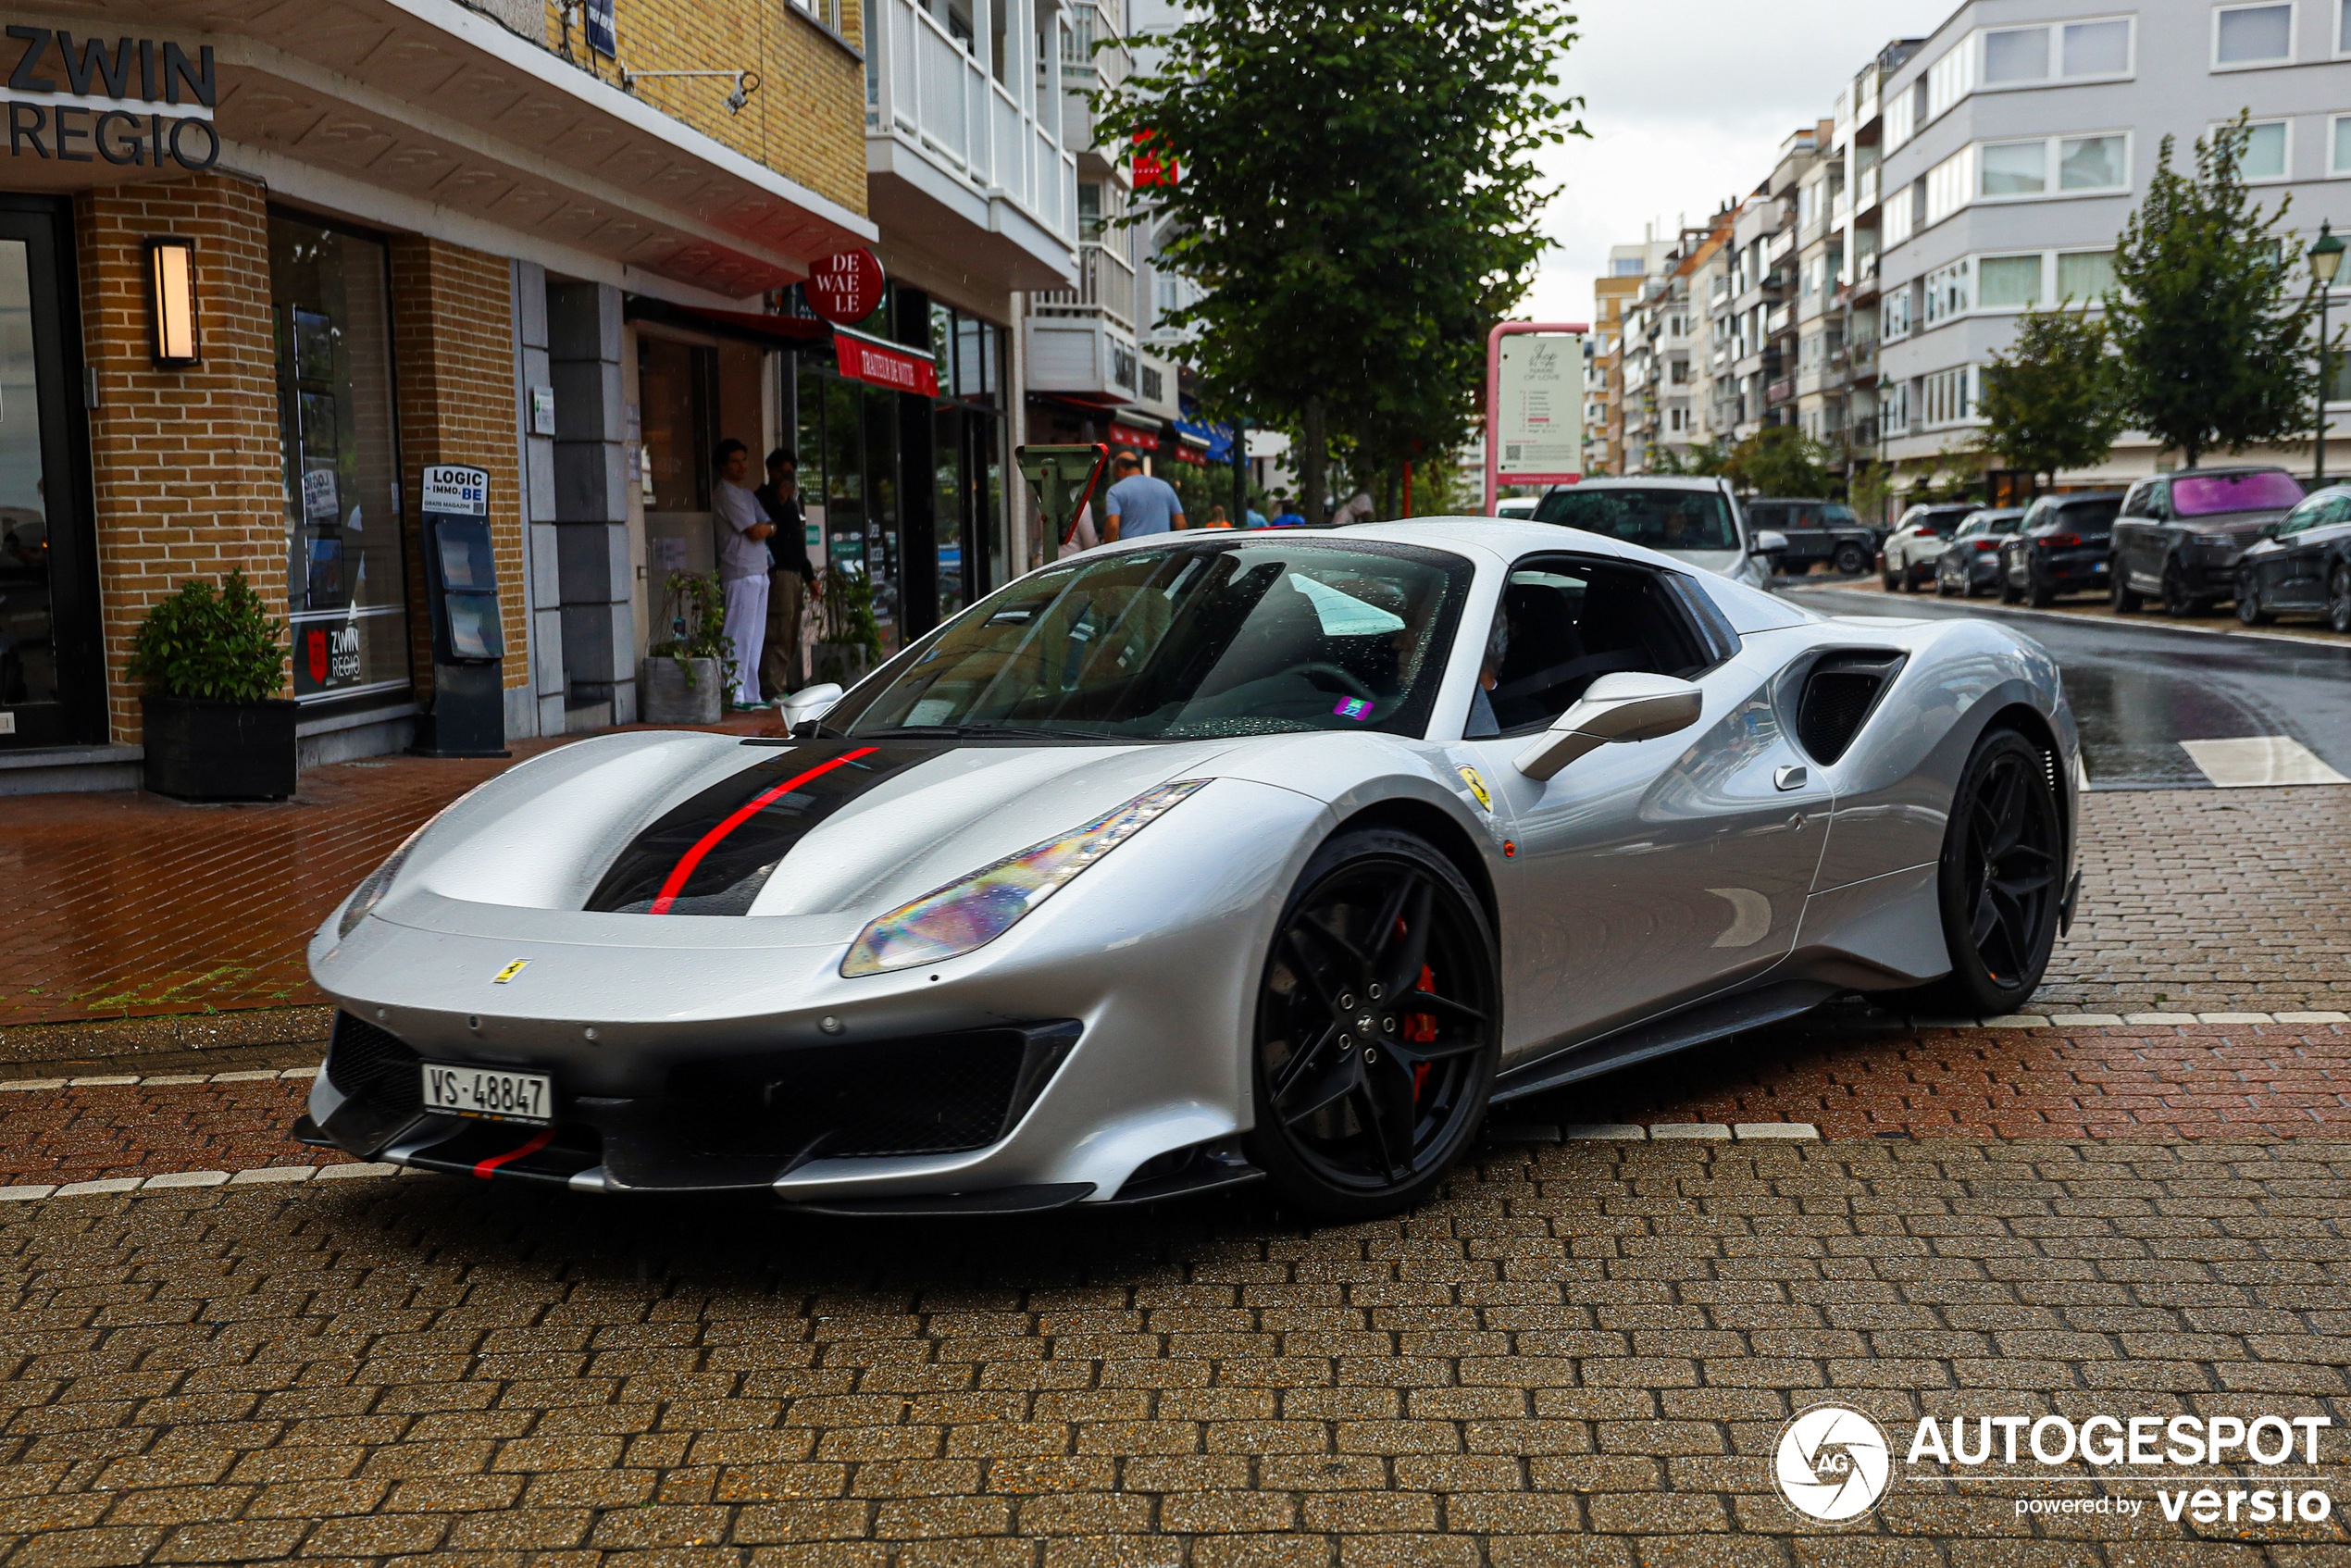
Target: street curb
(2021, 612)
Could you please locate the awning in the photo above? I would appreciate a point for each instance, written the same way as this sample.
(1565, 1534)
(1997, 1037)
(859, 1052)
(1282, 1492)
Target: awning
(880, 363)
(789, 331)
(1121, 434)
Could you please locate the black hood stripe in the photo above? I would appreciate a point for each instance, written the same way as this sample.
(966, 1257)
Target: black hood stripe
(712, 854)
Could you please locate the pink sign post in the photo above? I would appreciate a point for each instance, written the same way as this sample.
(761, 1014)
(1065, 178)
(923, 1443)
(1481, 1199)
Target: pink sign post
(1534, 404)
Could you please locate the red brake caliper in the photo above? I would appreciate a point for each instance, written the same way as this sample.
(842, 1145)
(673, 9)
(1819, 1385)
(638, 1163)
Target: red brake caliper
(1421, 1028)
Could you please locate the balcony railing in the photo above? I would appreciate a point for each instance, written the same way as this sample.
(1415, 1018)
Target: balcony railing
(924, 89)
(1781, 245)
(1778, 320)
(1865, 190)
(1780, 391)
(1105, 287)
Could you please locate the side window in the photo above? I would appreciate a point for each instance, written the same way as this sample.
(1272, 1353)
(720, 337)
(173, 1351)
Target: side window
(1566, 621)
(2159, 503)
(2338, 511)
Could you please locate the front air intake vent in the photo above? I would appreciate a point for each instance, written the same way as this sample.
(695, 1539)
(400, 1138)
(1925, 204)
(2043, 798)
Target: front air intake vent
(1838, 694)
(371, 1064)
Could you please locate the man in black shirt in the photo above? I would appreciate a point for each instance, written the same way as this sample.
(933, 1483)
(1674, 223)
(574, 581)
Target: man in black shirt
(788, 578)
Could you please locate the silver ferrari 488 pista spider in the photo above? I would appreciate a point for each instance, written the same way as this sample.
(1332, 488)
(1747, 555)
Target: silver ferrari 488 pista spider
(1203, 859)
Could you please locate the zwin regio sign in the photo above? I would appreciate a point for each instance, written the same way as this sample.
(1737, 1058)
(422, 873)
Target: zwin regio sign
(70, 100)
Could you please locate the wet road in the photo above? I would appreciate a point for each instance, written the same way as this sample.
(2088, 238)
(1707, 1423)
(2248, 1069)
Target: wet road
(2140, 692)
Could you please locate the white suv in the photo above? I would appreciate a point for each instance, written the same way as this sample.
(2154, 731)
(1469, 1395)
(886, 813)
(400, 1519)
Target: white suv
(1697, 520)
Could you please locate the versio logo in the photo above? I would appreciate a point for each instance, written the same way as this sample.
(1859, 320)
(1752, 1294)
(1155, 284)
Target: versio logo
(1832, 1464)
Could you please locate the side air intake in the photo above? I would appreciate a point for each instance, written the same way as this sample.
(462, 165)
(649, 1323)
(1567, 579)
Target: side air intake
(1838, 694)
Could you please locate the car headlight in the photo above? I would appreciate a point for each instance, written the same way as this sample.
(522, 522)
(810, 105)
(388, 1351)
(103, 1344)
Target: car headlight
(976, 911)
(371, 892)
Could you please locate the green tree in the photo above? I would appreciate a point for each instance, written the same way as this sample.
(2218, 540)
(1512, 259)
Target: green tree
(1868, 489)
(2052, 400)
(2213, 345)
(1778, 460)
(1354, 191)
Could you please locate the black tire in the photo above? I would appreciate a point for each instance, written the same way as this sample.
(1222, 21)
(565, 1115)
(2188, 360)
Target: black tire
(1851, 559)
(2038, 593)
(2178, 601)
(1349, 1130)
(2339, 599)
(2128, 601)
(1889, 580)
(2249, 608)
(1909, 579)
(2002, 880)
(1943, 589)
(2009, 592)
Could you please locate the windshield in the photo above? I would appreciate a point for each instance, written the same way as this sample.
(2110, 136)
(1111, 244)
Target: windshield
(2201, 495)
(1186, 641)
(1662, 519)
(2086, 513)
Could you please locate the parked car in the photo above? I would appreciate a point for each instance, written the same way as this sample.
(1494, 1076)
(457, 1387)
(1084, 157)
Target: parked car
(1519, 507)
(2060, 548)
(1816, 531)
(1695, 520)
(1907, 561)
(2302, 567)
(1970, 562)
(2180, 536)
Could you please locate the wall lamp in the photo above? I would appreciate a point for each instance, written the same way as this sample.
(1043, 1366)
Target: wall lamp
(746, 82)
(171, 303)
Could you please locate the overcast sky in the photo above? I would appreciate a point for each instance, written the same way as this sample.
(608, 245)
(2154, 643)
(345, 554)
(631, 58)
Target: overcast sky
(1687, 102)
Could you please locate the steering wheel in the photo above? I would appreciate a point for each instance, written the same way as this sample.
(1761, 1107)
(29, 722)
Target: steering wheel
(1346, 677)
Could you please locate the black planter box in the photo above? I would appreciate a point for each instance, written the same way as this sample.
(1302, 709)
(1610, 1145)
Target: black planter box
(207, 750)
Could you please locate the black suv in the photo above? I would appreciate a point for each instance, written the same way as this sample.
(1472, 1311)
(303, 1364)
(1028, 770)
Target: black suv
(1816, 531)
(2180, 536)
(2061, 547)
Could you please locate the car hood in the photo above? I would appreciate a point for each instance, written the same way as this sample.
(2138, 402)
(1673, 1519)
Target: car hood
(706, 824)
(2239, 526)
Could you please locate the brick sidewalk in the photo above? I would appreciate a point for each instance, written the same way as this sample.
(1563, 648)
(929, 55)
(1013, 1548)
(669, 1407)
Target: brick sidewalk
(1579, 1355)
(124, 905)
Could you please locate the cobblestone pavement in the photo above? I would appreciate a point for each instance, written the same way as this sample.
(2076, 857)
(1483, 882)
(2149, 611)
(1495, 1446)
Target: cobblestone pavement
(1579, 1355)
(2204, 899)
(126, 904)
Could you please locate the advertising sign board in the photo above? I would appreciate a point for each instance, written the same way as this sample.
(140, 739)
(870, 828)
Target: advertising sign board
(1534, 404)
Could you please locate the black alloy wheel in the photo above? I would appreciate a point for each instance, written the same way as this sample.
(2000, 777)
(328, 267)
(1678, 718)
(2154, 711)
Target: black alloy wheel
(2002, 877)
(1851, 559)
(2128, 601)
(2250, 608)
(2339, 598)
(1378, 1029)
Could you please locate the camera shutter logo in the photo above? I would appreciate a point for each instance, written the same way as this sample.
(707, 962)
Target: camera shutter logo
(1831, 1463)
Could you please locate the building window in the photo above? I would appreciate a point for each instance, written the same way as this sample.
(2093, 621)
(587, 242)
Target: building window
(1894, 315)
(1946, 187)
(2013, 168)
(2016, 54)
(2252, 35)
(2092, 163)
(2082, 275)
(2008, 282)
(1947, 293)
(2268, 150)
(346, 585)
(2025, 57)
(1948, 81)
(2342, 151)
(2099, 48)
(1949, 396)
(1895, 217)
(1898, 115)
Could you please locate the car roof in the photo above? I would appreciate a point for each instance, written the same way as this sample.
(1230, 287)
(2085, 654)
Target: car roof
(2073, 497)
(1642, 482)
(1795, 500)
(2228, 468)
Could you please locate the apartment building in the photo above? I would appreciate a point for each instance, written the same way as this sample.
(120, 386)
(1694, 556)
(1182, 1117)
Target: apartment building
(2019, 136)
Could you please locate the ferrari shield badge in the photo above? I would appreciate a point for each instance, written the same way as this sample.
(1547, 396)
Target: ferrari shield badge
(1477, 785)
(509, 972)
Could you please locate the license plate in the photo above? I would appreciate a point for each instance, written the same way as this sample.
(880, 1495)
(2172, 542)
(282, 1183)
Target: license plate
(494, 1096)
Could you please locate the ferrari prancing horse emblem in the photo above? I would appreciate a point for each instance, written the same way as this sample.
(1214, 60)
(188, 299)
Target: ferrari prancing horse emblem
(1477, 785)
(509, 972)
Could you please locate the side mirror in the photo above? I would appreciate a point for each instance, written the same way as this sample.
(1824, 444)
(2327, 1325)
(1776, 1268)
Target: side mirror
(2270, 530)
(1771, 542)
(1615, 707)
(810, 703)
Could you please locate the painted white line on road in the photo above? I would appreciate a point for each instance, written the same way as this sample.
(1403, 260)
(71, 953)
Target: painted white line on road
(129, 1080)
(2255, 762)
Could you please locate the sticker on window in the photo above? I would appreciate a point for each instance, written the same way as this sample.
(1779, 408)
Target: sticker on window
(1343, 615)
(1353, 707)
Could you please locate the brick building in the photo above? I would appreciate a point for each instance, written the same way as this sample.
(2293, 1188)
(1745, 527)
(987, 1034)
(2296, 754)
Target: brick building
(545, 241)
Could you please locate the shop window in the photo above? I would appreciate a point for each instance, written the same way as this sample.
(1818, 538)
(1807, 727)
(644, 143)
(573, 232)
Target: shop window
(346, 589)
(675, 392)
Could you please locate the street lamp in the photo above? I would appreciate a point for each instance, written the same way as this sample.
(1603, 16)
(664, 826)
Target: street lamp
(2326, 259)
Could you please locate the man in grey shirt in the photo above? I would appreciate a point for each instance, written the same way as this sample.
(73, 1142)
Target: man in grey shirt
(743, 561)
(1138, 504)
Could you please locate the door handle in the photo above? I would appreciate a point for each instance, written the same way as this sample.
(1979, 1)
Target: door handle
(1789, 778)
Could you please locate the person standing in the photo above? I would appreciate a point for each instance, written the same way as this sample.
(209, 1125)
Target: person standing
(743, 561)
(790, 579)
(1357, 509)
(1287, 515)
(1141, 504)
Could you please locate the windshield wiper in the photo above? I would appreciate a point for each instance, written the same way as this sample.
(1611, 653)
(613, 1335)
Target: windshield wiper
(994, 732)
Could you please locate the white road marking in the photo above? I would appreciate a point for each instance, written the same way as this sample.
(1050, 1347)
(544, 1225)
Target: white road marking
(2256, 761)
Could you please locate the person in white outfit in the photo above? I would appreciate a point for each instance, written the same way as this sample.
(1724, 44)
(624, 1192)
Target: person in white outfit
(743, 561)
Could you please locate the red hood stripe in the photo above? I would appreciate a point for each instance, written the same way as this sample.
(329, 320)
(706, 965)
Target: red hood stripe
(675, 882)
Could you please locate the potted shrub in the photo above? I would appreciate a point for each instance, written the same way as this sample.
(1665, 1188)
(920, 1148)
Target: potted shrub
(216, 729)
(684, 678)
(849, 646)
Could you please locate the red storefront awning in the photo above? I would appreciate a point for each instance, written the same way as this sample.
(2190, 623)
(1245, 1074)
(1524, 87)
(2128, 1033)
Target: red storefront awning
(881, 363)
